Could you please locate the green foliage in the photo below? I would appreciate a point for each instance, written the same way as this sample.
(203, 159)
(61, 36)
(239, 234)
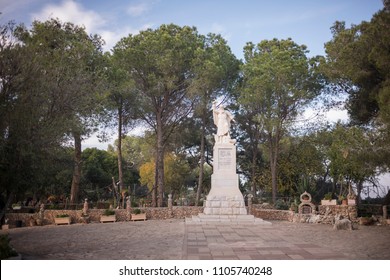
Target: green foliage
(108, 212)
(136, 150)
(280, 204)
(358, 61)
(136, 211)
(6, 251)
(342, 197)
(49, 80)
(62, 216)
(176, 173)
(161, 64)
(328, 196)
(54, 80)
(98, 168)
(351, 154)
(278, 82)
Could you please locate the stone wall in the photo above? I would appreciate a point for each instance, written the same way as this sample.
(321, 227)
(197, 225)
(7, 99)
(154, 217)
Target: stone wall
(271, 214)
(347, 211)
(177, 212)
(325, 214)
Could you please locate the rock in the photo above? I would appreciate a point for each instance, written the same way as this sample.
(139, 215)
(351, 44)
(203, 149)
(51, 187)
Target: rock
(341, 223)
(315, 219)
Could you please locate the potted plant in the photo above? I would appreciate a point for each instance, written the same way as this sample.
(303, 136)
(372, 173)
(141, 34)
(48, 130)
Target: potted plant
(17, 206)
(343, 200)
(351, 197)
(328, 199)
(62, 219)
(108, 216)
(138, 215)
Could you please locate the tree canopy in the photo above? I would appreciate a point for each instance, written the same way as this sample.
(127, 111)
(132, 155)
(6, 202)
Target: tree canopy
(278, 82)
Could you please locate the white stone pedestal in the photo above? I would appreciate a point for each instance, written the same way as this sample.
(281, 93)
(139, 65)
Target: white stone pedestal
(225, 197)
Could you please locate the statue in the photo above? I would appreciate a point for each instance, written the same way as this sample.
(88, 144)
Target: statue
(85, 207)
(222, 120)
(41, 215)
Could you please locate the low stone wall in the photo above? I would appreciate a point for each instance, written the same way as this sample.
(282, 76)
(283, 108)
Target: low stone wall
(272, 214)
(325, 214)
(27, 219)
(347, 211)
(177, 212)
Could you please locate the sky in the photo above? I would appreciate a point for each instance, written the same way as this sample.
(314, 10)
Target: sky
(307, 22)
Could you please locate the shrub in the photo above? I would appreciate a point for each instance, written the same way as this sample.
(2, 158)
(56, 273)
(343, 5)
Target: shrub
(109, 212)
(280, 204)
(6, 251)
(328, 196)
(136, 211)
(62, 216)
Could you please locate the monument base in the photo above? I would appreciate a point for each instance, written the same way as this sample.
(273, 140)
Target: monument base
(203, 219)
(225, 205)
(225, 197)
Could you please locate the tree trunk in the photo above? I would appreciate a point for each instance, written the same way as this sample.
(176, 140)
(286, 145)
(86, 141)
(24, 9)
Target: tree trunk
(274, 177)
(160, 162)
(120, 168)
(274, 150)
(253, 171)
(6, 206)
(154, 189)
(202, 160)
(117, 196)
(154, 196)
(74, 191)
(359, 191)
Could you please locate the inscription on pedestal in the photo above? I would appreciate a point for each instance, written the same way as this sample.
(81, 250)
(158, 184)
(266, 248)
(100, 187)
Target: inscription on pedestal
(225, 158)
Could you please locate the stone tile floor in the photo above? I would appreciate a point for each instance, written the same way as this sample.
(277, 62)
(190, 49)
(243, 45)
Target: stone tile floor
(173, 239)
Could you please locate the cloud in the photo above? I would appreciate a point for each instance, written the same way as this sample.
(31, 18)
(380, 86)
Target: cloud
(218, 28)
(111, 37)
(139, 9)
(94, 23)
(70, 11)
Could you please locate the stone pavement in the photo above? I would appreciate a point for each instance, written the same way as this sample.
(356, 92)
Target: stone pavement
(173, 239)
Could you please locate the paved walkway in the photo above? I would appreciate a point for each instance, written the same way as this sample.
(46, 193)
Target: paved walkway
(173, 239)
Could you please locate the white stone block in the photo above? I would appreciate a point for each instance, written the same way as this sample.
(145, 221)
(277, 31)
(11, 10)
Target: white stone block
(235, 204)
(215, 204)
(226, 211)
(225, 204)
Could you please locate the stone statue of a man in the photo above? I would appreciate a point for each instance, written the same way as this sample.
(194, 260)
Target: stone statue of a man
(222, 119)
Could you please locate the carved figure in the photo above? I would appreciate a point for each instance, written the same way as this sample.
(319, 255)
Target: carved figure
(222, 120)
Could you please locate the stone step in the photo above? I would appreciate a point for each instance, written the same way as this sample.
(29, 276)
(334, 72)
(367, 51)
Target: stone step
(226, 219)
